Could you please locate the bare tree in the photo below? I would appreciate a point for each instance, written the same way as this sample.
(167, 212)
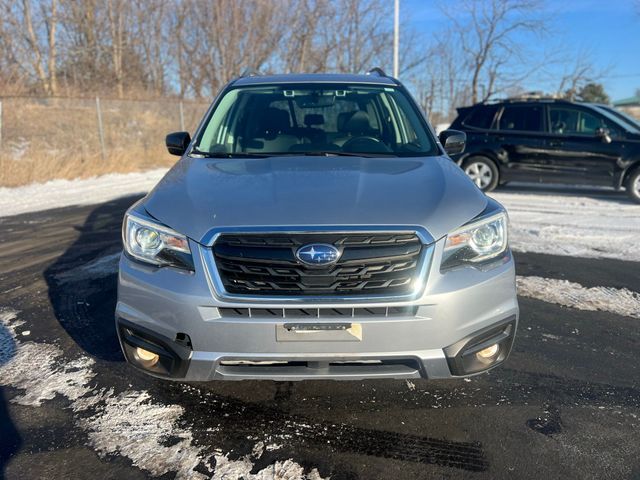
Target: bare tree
(302, 48)
(492, 38)
(577, 73)
(361, 34)
(149, 35)
(116, 15)
(33, 39)
(233, 36)
(442, 83)
(82, 37)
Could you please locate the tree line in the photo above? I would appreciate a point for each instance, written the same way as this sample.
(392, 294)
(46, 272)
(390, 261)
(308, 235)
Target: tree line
(190, 48)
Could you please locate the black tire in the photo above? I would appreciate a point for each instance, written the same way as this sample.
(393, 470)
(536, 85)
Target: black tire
(633, 185)
(483, 172)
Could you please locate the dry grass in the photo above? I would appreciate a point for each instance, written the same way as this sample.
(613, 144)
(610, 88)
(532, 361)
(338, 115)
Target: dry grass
(45, 139)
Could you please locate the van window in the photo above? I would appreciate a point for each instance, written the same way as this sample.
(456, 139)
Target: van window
(526, 118)
(481, 117)
(575, 121)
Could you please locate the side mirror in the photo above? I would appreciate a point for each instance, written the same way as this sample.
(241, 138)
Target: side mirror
(603, 134)
(178, 142)
(453, 141)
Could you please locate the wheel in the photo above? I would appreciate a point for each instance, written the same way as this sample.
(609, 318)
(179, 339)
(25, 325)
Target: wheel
(633, 186)
(483, 172)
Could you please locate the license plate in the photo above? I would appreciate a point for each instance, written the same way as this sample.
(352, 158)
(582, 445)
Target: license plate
(319, 332)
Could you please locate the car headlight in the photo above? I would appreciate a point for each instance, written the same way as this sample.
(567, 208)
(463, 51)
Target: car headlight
(476, 242)
(151, 242)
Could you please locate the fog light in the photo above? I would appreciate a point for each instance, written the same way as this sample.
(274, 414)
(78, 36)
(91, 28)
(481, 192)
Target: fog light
(489, 352)
(149, 358)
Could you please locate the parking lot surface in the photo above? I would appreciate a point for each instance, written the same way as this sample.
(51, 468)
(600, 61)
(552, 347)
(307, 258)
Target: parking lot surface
(565, 405)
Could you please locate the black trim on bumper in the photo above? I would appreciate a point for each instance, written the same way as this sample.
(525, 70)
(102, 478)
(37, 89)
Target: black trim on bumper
(461, 356)
(174, 355)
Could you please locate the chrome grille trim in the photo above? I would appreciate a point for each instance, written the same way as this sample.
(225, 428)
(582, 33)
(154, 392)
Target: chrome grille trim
(267, 264)
(217, 287)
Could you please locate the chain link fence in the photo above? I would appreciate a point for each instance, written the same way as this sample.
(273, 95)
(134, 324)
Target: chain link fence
(47, 138)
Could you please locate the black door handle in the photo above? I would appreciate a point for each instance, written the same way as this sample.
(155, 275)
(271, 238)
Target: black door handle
(556, 143)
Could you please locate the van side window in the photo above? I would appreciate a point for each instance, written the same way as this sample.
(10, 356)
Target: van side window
(526, 118)
(481, 117)
(574, 121)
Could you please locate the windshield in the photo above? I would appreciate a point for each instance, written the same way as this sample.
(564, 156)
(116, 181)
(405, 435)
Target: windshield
(316, 119)
(630, 123)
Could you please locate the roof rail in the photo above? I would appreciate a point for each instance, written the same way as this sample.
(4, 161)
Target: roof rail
(249, 72)
(526, 98)
(377, 71)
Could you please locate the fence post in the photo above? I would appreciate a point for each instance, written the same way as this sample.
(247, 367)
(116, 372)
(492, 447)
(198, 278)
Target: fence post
(100, 129)
(181, 116)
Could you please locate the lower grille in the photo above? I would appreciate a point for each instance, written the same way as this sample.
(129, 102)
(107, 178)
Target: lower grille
(323, 313)
(266, 264)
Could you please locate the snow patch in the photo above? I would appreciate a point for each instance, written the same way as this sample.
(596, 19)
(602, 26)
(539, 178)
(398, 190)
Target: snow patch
(241, 469)
(98, 268)
(569, 294)
(130, 423)
(572, 225)
(37, 369)
(63, 193)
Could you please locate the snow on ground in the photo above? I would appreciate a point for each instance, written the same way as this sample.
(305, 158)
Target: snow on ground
(574, 225)
(570, 294)
(131, 423)
(63, 193)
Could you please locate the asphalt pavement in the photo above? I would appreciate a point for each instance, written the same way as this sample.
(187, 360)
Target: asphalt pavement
(565, 405)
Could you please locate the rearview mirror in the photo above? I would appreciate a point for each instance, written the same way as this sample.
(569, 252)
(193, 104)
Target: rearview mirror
(603, 134)
(178, 142)
(453, 141)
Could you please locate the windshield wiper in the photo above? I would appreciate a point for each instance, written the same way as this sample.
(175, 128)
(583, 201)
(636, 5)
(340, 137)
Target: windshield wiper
(327, 153)
(195, 151)
(346, 154)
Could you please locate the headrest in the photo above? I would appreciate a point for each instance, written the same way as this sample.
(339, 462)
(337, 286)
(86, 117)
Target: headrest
(342, 119)
(277, 119)
(272, 122)
(313, 119)
(358, 124)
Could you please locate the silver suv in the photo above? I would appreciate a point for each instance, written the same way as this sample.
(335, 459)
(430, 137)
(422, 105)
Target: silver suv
(315, 228)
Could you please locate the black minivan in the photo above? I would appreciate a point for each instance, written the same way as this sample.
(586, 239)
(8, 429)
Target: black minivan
(550, 140)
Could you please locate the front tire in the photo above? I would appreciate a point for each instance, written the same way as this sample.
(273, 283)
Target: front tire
(633, 186)
(483, 172)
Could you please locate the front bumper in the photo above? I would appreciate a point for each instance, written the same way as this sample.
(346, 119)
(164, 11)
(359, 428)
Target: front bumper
(179, 311)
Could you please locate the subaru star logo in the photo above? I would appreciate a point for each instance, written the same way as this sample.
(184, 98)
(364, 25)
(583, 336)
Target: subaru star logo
(318, 254)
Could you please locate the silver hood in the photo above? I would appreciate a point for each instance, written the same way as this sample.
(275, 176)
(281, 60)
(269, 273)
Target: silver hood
(199, 194)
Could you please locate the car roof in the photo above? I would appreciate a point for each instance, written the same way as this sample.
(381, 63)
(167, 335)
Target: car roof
(542, 100)
(373, 79)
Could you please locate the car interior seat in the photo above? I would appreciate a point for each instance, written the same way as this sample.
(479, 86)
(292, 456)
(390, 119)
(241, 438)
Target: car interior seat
(271, 132)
